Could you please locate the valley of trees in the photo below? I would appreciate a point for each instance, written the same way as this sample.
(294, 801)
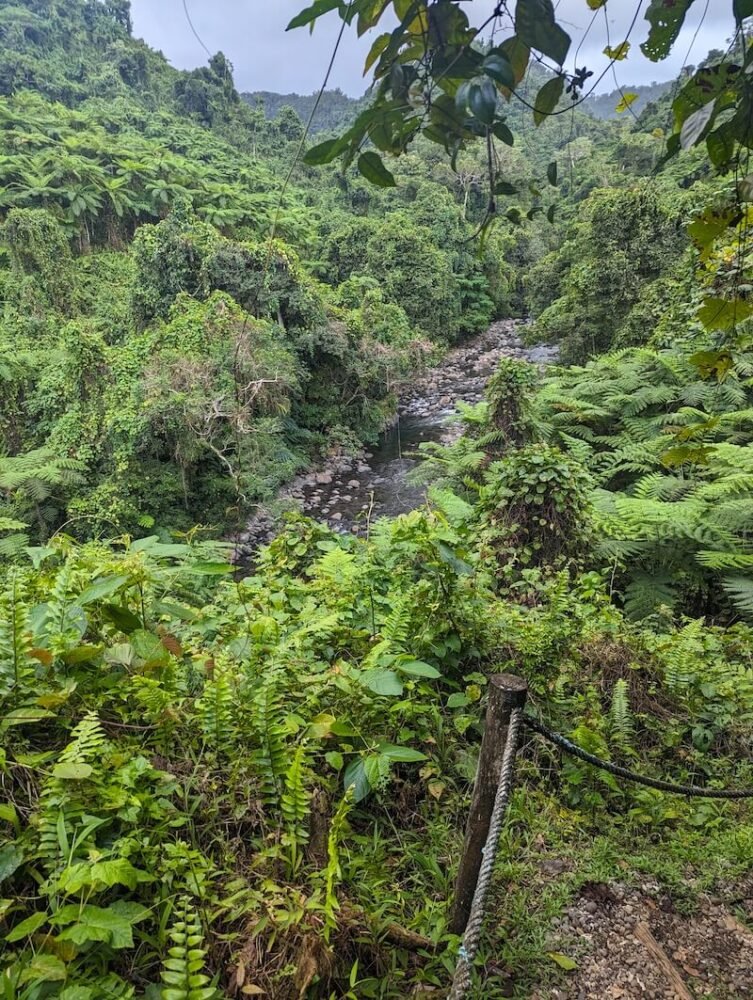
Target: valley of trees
(227, 781)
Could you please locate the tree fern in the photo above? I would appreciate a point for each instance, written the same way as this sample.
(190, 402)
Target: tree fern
(739, 589)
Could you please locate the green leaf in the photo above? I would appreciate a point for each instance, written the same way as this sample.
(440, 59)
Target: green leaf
(102, 875)
(211, 568)
(619, 52)
(103, 587)
(568, 964)
(503, 133)
(27, 927)
(551, 173)
(355, 778)
(325, 152)
(499, 69)
(417, 668)
(376, 50)
(43, 969)
(666, 19)
(371, 167)
(310, 14)
(26, 716)
(112, 925)
(504, 187)
(536, 27)
(121, 618)
(724, 314)
(148, 647)
(550, 213)
(401, 755)
(383, 682)
(458, 700)
(518, 55)
(742, 9)
(482, 100)
(695, 125)
(548, 98)
(625, 102)
(69, 771)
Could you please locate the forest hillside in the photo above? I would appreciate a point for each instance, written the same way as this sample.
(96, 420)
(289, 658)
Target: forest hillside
(237, 770)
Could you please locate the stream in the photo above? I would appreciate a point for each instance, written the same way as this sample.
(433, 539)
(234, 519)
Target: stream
(342, 493)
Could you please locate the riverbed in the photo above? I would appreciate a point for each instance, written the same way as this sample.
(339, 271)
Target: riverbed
(351, 490)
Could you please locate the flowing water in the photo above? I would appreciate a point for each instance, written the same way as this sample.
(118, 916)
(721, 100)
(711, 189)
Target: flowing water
(346, 491)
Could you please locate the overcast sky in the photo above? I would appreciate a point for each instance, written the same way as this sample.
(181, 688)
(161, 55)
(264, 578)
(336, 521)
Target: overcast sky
(252, 34)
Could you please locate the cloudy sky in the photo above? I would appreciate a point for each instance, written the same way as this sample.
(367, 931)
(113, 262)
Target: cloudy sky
(252, 33)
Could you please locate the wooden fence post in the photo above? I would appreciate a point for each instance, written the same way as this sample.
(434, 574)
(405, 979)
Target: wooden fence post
(506, 692)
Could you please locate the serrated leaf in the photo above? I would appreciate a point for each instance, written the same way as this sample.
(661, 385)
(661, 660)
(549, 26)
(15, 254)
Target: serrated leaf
(371, 166)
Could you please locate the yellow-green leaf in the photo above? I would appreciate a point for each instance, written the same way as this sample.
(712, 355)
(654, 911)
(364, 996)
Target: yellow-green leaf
(618, 52)
(627, 100)
(568, 964)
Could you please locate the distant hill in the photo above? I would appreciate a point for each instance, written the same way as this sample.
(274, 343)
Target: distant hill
(335, 109)
(603, 105)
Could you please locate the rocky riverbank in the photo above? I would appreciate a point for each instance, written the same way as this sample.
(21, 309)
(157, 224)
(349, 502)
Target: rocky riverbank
(349, 488)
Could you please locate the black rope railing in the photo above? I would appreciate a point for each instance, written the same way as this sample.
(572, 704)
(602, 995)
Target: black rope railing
(574, 750)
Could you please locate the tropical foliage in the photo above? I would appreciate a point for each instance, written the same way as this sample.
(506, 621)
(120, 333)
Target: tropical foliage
(224, 780)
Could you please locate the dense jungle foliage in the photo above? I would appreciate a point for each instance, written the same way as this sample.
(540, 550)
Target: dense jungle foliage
(254, 782)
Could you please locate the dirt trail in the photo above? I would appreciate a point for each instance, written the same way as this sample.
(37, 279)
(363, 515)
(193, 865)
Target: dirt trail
(633, 943)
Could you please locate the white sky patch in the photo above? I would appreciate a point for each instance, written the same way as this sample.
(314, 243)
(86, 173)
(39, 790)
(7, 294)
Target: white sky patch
(252, 34)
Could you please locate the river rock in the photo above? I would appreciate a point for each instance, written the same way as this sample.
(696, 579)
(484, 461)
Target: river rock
(324, 478)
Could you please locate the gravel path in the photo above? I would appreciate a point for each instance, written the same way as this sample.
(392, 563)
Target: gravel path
(610, 931)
